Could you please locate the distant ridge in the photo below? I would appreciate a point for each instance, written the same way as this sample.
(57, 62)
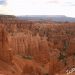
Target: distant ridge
(56, 18)
(53, 18)
(7, 17)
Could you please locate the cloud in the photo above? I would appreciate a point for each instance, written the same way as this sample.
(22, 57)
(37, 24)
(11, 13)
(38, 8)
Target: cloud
(2, 2)
(53, 1)
(69, 3)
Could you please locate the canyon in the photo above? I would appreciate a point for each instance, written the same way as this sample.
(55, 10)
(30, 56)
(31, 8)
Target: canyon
(36, 47)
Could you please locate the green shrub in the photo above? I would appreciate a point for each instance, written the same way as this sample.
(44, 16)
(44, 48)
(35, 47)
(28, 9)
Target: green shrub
(27, 57)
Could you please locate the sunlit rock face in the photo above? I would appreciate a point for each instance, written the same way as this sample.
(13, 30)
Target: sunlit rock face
(5, 52)
(36, 48)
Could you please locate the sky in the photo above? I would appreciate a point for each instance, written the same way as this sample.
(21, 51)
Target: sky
(38, 7)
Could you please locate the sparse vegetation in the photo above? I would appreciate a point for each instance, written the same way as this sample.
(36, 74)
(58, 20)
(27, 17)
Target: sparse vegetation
(27, 57)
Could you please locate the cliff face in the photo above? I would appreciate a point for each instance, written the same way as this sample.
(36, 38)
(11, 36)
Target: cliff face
(36, 48)
(5, 52)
